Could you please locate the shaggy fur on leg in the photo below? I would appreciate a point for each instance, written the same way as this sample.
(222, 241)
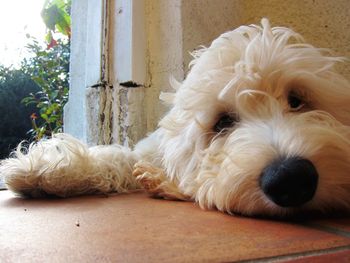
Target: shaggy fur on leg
(63, 166)
(258, 127)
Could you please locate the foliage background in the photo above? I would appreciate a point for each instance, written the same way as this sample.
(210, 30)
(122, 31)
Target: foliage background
(14, 116)
(32, 97)
(49, 69)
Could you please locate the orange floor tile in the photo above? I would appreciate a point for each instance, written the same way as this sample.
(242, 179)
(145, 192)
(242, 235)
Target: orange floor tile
(136, 228)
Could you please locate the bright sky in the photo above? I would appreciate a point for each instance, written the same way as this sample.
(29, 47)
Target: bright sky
(18, 17)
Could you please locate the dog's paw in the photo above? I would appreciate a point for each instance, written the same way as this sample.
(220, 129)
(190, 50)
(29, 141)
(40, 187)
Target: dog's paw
(155, 182)
(148, 176)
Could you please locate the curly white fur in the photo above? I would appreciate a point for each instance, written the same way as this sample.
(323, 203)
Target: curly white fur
(63, 166)
(249, 73)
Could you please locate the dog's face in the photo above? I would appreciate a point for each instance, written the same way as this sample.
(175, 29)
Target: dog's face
(259, 126)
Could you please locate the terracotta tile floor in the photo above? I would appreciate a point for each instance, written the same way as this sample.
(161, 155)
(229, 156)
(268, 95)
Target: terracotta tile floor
(135, 228)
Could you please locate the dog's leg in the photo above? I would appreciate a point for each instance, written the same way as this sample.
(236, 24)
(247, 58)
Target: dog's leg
(63, 166)
(155, 181)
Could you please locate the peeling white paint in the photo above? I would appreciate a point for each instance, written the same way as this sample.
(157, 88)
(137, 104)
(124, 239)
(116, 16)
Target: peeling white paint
(129, 114)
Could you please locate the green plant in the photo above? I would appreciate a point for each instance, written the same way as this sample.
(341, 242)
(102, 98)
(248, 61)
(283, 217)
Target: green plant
(49, 69)
(14, 116)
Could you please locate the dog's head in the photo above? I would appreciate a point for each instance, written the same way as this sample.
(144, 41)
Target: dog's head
(259, 126)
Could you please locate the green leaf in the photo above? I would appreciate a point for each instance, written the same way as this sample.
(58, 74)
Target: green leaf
(50, 16)
(56, 17)
(44, 116)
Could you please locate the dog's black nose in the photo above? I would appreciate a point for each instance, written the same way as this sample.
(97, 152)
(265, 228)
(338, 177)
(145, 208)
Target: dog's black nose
(289, 182)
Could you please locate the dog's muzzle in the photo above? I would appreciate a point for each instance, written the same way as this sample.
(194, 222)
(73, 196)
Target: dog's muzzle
(289, 182)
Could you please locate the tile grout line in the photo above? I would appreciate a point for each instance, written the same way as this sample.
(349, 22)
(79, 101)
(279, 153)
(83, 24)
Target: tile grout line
(298, 255)
(328, 229)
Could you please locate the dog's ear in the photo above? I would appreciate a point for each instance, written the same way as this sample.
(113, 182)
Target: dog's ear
(174, 83)
(167, 98)
(196, 54)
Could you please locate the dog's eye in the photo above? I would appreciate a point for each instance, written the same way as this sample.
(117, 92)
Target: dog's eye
(295, 103)
(226, 121)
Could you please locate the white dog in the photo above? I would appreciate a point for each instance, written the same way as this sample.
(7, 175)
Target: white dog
(259, 127)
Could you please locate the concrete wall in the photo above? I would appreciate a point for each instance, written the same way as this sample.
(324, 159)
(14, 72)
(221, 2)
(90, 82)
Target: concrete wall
(164, 54)
(84, 65)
